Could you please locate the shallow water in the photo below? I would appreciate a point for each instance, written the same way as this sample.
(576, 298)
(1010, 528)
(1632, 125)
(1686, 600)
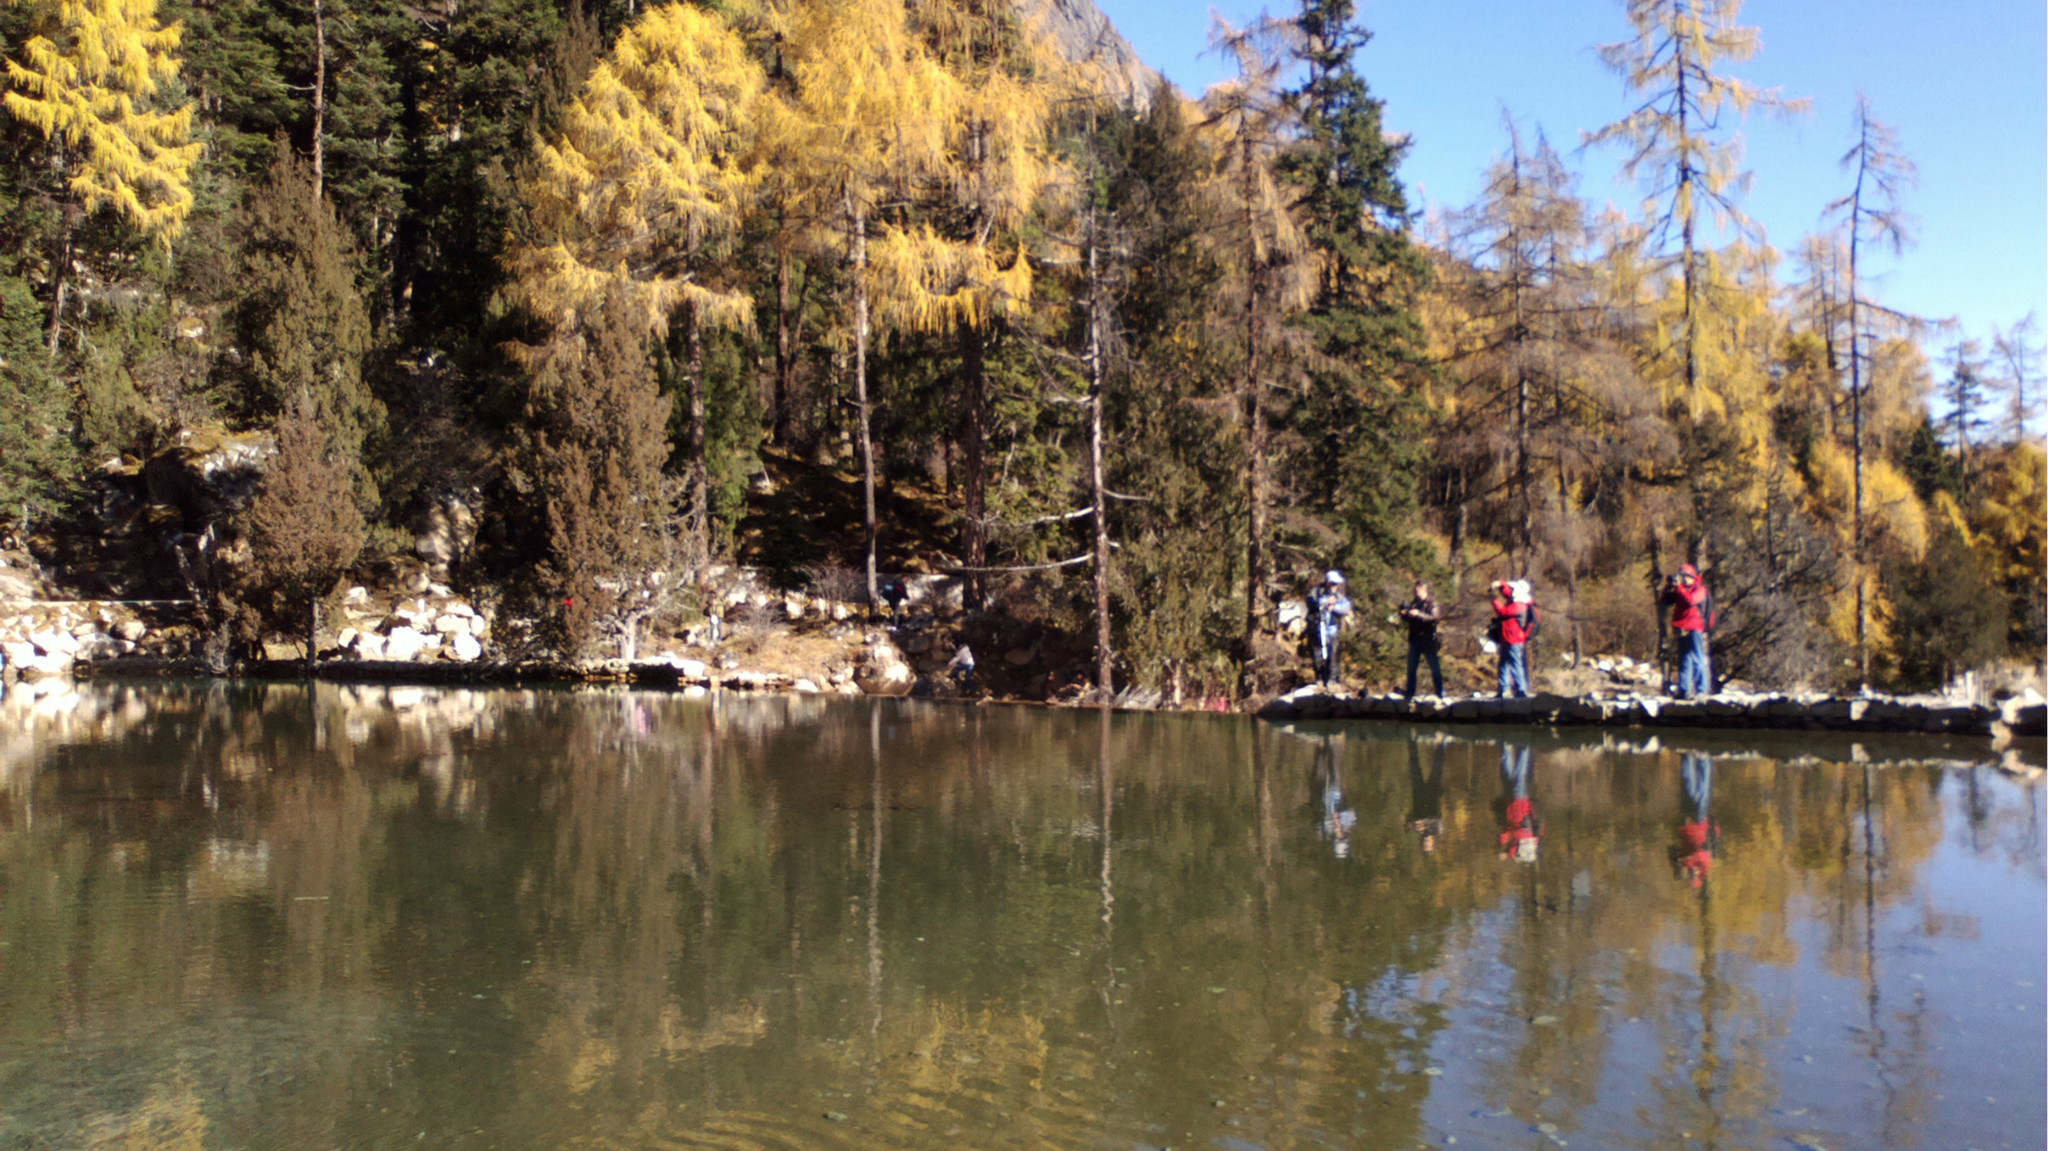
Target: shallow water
(261, 917)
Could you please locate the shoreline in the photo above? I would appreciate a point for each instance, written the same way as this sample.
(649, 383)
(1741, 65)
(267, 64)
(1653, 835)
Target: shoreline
(1773, 711)
(1730, 711)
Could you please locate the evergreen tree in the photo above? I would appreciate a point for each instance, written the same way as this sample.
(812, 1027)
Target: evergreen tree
(645, 186)
(300, 327)
(599, 424)
(1362, 423)
(303, 527)
(37, 458)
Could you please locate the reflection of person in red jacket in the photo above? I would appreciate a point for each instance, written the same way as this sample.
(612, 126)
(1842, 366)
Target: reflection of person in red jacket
(1692, 614)
(1521, 827)
(1698, 837)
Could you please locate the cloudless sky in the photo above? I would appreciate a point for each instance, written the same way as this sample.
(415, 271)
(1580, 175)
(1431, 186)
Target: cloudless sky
(1963, 81)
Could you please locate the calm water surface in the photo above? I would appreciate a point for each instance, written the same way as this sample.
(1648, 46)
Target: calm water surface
(265, 917)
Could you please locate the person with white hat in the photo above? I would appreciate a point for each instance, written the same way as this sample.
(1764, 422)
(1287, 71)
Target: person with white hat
(1328, 608)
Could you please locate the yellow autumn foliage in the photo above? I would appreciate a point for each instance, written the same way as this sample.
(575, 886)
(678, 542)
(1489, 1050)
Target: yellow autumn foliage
(648, 177)
(94, 87)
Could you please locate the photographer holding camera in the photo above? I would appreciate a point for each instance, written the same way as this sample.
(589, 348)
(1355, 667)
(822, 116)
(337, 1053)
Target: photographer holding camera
(1693, 615)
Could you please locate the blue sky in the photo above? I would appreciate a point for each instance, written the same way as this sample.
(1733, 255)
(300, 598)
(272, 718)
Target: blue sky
(1963, 82)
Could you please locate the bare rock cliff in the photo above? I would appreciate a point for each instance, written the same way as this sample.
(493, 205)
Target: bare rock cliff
(1085, 36)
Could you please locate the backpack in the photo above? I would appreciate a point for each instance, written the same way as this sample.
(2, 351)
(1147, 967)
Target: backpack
(1531, 620)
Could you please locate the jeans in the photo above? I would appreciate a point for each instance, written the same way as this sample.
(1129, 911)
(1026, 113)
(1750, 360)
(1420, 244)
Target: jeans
(1326, 657)
(1696, 774)
(1416, 654)
(1695, 664)
(1514, 769)
(1514, 669)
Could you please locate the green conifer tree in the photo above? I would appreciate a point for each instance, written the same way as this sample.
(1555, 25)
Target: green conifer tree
(599, 424)
(300, 326)
(37, 457)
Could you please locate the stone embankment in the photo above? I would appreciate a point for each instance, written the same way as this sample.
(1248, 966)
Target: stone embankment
(2021, 716)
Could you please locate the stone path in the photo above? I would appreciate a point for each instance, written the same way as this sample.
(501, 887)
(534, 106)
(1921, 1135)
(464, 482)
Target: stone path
(2021, 717)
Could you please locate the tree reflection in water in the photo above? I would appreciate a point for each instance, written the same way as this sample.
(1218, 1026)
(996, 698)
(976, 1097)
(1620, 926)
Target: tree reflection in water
(275, 915)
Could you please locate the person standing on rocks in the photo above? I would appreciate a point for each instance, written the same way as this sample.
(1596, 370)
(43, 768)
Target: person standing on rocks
(1512, 619)
(1328, 608)
(961, 669)
(1693, 615)
(1422, 615)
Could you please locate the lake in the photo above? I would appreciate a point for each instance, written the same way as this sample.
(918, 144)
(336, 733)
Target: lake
(267, 916)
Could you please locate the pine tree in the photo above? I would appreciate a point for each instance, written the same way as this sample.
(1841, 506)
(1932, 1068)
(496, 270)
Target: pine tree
(1361, 420)
(91, 87)
(37, 458)
(300, 325)
(303, 527)
(599, 435)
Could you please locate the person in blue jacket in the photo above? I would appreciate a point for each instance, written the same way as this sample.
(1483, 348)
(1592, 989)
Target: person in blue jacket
(1328, 608)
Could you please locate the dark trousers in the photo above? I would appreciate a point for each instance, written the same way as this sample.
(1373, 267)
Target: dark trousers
(1417, 652)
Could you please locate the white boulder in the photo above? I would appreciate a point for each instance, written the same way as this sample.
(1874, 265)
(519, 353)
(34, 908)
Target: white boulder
(404, 643)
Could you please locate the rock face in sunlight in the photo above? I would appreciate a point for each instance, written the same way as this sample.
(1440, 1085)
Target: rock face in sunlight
(1085, 36)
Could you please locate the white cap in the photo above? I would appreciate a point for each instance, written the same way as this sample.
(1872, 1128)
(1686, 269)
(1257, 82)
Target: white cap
(1333, 577)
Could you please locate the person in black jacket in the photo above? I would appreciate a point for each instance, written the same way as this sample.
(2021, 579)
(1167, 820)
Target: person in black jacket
(1422, 615)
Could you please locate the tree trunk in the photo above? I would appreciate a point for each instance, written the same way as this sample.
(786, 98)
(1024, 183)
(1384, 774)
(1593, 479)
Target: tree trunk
(785, 351)
(974, 451)
(858, 224)
(319, 99)
(60, 272)
(1255, 494)
(1099, 491)
(699, 494)
(312, 633)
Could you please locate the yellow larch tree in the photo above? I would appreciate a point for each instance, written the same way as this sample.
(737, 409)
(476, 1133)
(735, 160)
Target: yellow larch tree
(1688, 167)
(869, 123)
(91, 86)
(964, 270)
(1269, 272)
(641, 190)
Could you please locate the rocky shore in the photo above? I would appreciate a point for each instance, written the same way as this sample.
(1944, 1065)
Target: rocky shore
(2020, 717)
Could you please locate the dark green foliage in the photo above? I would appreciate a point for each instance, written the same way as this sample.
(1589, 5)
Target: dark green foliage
(598, 422)
(1929, 464)
(300, 328)
(1949, 616)
(1359, 429)
(38, 460)
(303, 527)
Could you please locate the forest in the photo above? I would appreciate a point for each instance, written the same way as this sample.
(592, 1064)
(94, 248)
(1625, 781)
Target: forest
(1131, 364)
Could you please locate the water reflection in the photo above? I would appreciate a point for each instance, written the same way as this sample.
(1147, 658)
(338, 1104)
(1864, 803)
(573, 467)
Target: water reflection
(275, 916)
(1426, 792)
(1521, 828)
(1698, 836)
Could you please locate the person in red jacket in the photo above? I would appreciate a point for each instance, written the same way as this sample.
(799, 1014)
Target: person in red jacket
(1511, 634)
(1692, 614)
